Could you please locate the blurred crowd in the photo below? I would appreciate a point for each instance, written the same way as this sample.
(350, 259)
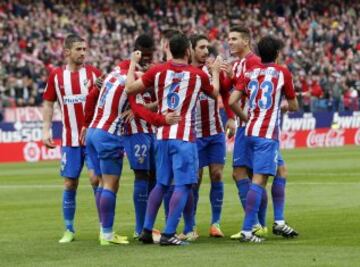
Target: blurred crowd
(322, 40)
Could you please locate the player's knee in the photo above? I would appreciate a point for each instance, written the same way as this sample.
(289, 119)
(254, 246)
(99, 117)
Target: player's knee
(216, 175)
(71, 184)
(239, 174)
(282, 171)
(94, 180)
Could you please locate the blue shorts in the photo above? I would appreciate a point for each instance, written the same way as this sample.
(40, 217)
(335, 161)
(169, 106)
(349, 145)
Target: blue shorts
(264, 155)
(176, 162)
(72, 161)
(110, 151)
(140, 150)
(92, 159)
(211, 150)
(241, 154)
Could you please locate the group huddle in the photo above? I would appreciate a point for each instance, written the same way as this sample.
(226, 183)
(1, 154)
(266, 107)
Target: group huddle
(165, 117)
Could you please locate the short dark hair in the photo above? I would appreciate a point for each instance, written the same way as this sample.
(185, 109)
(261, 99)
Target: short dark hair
(195, 38)
(178, 45)
(268, 48)
(144, 41)
(71, 39)
(244, 31)
(169, 33)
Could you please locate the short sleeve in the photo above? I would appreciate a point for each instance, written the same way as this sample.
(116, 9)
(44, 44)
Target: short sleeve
(149, 77)
(50, 92)
(289, 90)
(241, 84)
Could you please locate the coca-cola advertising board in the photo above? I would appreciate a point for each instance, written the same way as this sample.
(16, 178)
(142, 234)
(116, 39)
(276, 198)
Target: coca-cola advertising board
(321, 129)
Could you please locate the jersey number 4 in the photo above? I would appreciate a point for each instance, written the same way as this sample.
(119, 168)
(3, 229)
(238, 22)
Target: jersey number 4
(266, 89)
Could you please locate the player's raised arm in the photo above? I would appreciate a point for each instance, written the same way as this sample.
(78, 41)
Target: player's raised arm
(215, 71)
(133, 86)
(225, 87)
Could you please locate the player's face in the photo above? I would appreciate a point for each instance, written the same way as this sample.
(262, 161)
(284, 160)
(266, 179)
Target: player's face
(236, 43)
(201, 51)
(77, 53)
(146, 58)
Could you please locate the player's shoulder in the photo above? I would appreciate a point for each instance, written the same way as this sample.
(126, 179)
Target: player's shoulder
(158, 67)
(283, 69)
(201, 71)
(124, 64)
(252, 60)
(56, 70)
(93, 69)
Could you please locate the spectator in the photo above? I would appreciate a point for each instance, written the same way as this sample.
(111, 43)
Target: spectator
(319, 38)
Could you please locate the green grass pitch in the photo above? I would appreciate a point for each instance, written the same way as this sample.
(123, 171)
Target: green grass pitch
(323, 204)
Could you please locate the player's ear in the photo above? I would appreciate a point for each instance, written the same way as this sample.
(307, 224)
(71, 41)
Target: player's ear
(66, 52)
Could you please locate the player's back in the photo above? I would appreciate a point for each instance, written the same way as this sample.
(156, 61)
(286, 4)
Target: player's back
(111, 104)
(264, 85)
(177, 88)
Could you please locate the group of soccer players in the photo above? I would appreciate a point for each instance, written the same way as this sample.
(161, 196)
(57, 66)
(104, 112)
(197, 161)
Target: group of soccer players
(166, 118)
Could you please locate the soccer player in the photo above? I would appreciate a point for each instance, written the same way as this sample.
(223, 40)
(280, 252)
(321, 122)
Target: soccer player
(139, 138)
(165, 48)
(177, 86)
(210, 137)
(239, 40)
(264, 85)
(69, 85)
(105, 142)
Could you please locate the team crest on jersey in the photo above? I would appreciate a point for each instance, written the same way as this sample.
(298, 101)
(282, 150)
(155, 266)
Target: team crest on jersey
(141, 160)
(86, 83)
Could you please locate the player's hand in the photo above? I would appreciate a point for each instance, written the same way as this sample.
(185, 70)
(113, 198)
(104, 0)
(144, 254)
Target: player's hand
(215, 66)
(47, 139)
(127, 115)
(284, 107)
(230, 128)
(82, 136)
(227, 68)
(136, 56)
(172, 118)
(99, 81)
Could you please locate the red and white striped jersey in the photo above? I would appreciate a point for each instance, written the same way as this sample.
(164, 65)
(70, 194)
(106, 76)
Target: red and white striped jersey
(111, 104)
(138, 125)
(239, 68)
(70, 88)
(264, 85)
(207, 119)
(177, 88)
